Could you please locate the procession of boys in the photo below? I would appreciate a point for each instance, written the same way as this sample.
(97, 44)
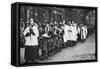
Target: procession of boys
(43, 41)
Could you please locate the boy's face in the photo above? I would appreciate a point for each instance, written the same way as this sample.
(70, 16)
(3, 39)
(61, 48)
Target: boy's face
(72, 22)
(69, 23)
(63, 21)
(31, 21)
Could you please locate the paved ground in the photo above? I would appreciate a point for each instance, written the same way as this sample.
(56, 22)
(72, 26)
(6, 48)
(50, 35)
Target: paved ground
(81, 51)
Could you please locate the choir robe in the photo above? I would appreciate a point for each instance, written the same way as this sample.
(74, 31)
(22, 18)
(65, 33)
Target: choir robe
(70, 33)
(74, 33)
(65, 35)
(32, 40)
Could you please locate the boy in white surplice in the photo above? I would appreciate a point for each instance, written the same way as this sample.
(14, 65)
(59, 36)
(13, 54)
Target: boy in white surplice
(31, 34)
